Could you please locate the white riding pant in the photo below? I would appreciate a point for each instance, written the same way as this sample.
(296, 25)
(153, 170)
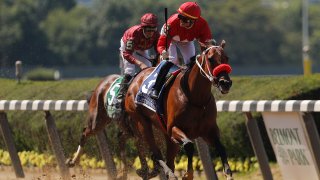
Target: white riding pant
(132, 69)
(187, 50)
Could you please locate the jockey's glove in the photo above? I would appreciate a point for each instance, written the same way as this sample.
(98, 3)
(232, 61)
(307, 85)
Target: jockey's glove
(165, 55)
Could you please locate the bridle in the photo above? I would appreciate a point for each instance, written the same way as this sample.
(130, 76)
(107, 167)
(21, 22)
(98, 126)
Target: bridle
(211, 75)
(204, 58)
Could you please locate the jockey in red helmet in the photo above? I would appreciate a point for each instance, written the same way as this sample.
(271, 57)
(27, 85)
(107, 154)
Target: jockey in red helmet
(182, 29)
(149, 22)
(134, 49)
(189, 12)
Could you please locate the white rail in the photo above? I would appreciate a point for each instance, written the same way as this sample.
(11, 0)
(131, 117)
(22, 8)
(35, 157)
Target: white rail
(222, 106)
(229, 106)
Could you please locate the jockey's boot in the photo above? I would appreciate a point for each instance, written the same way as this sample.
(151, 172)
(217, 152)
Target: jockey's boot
(123, 90)
(154, 93)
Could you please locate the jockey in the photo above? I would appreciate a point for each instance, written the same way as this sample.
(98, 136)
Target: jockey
(134, 49)
(182, 28)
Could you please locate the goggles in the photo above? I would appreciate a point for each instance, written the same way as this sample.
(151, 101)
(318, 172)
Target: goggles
(150, 29)
(185, 19)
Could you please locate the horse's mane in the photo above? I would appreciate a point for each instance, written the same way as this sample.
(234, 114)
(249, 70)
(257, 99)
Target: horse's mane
(191, 63)
(185, 76)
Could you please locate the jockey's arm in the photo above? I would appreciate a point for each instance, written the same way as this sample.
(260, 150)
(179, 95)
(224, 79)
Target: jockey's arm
(205, 38)
(161, 47)
(154, 60)
(162, 43)
(127, 55)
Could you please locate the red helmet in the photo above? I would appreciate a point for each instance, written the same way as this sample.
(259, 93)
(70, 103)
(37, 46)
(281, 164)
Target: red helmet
(190, 9)
(149, 19)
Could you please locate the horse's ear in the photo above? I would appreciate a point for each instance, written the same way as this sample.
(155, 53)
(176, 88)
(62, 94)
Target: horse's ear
(223, 43)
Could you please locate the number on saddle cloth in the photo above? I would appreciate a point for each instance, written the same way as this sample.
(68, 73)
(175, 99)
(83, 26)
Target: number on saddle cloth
(143, 97)
(110, 99)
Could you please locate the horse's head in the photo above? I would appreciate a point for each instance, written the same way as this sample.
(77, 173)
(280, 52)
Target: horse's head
(217, 67)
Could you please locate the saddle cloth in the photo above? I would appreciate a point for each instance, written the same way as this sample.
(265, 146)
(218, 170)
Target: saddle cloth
(110, 98)
(143, 97)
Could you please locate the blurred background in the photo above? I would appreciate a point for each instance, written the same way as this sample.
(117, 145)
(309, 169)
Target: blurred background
(80, 38)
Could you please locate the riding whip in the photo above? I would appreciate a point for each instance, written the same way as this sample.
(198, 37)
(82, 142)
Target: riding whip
(166, 28)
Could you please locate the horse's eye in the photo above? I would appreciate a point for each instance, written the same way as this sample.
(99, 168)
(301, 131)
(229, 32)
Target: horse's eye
(214, 61)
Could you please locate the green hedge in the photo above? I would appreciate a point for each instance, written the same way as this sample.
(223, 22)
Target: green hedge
(30, 132)
(43, 74)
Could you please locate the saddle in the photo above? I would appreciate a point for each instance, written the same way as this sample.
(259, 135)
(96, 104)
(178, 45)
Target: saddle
(143, 97)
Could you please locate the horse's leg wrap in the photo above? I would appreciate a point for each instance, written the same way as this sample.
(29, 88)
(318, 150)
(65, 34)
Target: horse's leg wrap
(71, 162)
(168, 172)
(223, 155)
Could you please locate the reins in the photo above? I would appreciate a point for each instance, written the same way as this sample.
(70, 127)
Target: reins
(185, 87)
(208, 75)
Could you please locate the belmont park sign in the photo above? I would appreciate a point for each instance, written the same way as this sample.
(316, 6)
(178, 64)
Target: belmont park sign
(290, 145)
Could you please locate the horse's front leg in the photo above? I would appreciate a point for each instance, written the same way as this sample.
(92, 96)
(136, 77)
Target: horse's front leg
(95, 122)
(145, 127)
(71, 162)
(123, 139)
(221, 151)
(144, 171)
(172, 151)
(180, 137)
(223, 155)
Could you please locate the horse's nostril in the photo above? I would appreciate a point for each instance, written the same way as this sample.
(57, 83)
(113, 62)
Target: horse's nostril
(225, 84)
(222, 82)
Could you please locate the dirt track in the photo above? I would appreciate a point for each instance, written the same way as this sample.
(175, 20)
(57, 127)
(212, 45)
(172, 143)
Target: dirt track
(7, 173)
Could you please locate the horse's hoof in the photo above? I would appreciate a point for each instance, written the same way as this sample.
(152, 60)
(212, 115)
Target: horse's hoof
(69, 163)
(229, 178)
(171, 176)
(187, 176)
(153, 173)
(142, 173)
(121, 177)
(228, 174)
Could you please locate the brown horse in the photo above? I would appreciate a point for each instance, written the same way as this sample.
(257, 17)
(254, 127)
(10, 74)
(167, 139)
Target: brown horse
(98, 119)
(189, 110)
